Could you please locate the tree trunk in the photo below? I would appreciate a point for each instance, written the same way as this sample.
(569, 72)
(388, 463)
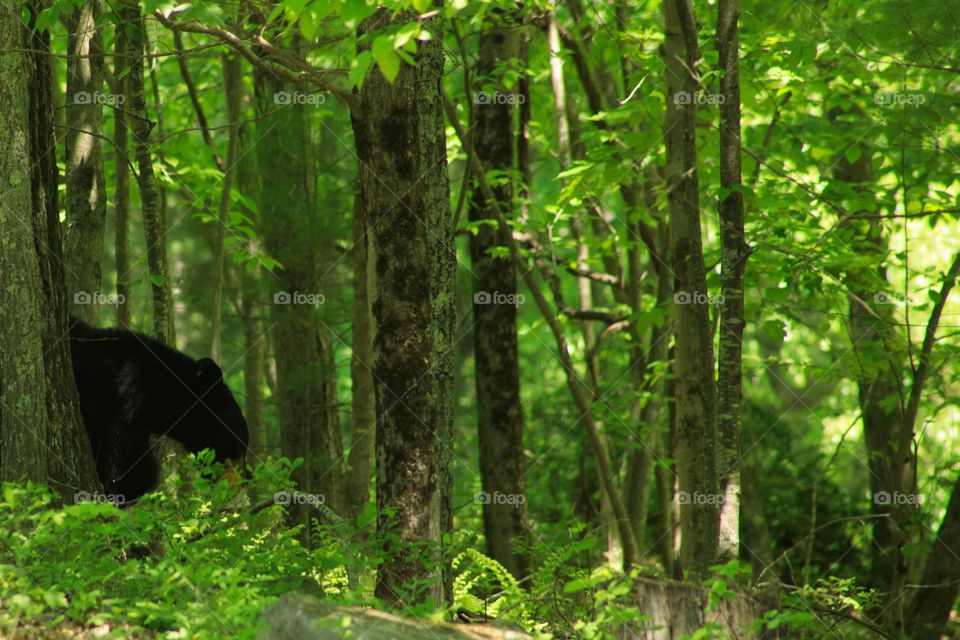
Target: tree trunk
(889, 456)
(734, 253)
(364, 400)
(930, 607)
(647, 411)
(404, 189)
(254, 365)
(499, 408)
(255, 339)
(153, 228)
(43, 438)
(288, 220)
(86, 197)
(121, 198)
(581, 393)
(233, 91)
(694, 364)
(162, 195)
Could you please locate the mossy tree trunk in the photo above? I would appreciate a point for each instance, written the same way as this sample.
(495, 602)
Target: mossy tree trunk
(404, 190)
(43, 438)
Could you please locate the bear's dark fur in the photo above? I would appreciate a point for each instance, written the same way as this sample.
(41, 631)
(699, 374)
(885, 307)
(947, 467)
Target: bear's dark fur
(132, 387)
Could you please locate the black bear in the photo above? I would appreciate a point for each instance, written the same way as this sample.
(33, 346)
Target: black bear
(132, 386)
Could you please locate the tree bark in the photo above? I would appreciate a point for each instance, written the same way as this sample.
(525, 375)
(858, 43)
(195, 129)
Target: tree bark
(121, 161)
(43, 438)
(930, 607)
(288, 220)
(578, 390)
(694, 364)
(161, 192)
(233, 91)
(255, 339)
(734, 253)
(499, 407)
(86, 196)
(404, 189)
(153, 228)
(364, 400)
(889, 449)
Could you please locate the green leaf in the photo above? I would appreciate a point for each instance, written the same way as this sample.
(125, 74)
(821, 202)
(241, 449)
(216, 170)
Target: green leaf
(354, 11)
(382, 45)
(389, 64)
(359, 67)
(308, 25)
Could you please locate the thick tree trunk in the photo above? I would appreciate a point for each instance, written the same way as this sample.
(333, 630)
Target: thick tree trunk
(43, 438)
(694, 365)
(86, 196)
(499, 408)
(734, 252)
(153, 227)
(399, 132)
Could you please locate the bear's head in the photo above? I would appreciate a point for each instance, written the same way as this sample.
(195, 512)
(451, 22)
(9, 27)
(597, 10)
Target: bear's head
(214, 419)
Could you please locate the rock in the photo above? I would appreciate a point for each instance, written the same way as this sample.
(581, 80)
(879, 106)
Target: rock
(298, 616)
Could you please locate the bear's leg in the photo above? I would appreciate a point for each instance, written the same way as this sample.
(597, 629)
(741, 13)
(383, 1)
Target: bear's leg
(137, 474)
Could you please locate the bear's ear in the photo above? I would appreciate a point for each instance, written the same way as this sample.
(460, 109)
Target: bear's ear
(208, 370)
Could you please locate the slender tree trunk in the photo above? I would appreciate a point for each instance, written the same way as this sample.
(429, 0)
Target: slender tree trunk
(86, 196)
(580, 392)
(364, 400)
(404, 188)
(288, 219)
(121, 161)
(647, 412)
(930, 607)
(734, 253)
(694, 365)
(162, 194)
(155, 233)
(43, 438)
(499, 408)
(233, 93)
(889, 455)
(255, 340)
